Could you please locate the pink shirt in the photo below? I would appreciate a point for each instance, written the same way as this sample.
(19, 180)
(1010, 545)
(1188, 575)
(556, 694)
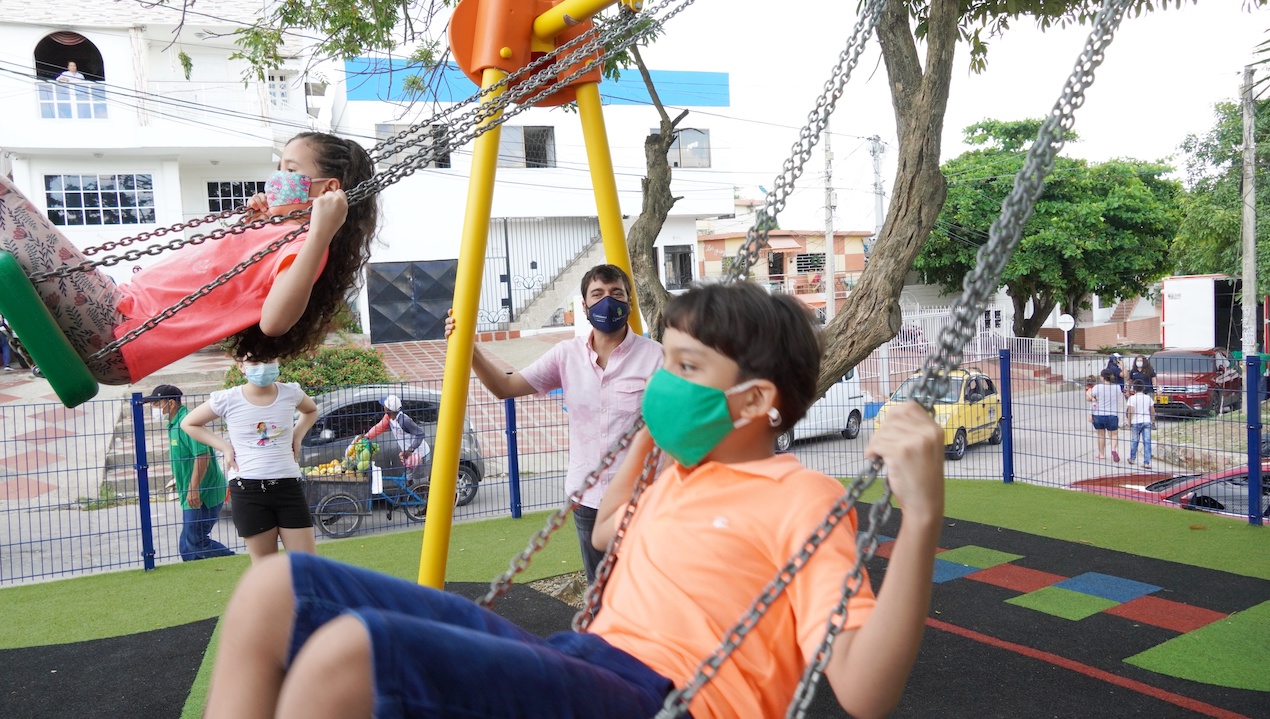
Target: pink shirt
(602, 402)
(228, 310)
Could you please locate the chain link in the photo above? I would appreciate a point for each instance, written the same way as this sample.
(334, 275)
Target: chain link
(800, 153)
(979, 284)
(503, 583)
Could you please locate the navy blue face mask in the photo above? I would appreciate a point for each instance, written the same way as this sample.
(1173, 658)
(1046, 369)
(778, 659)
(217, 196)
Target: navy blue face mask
(609, 314)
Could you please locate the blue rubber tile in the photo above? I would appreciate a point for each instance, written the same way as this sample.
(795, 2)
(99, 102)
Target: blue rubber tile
(1108, 587)
(947, 571)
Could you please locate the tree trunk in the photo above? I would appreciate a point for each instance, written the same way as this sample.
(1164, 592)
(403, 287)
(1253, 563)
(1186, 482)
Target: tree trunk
(1042, 305)
(642, 237)
(871, 315)
(643, 233)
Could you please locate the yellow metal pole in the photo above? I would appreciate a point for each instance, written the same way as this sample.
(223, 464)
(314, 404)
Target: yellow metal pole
(458, 353)
(605, 185)
(566, 15)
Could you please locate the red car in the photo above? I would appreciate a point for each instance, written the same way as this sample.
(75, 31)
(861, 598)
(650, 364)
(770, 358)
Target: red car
(1222, 492)
(1196, 382)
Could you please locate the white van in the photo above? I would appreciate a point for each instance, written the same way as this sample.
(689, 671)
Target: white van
(840, 411)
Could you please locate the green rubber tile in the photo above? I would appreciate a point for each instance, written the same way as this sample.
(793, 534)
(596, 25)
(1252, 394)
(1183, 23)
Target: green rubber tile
(981, 557)
(1062, 603)
(1231, 652)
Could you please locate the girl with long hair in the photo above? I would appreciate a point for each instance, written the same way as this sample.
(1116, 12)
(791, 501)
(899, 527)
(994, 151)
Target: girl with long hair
(278, 307)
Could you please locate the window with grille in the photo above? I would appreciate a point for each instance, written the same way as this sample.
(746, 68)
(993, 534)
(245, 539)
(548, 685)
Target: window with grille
(231, 195)
(280, 89)
(813, 262)
(99, 199)
(397, 151)
(691, 148)
(678, 267)
(527, 147)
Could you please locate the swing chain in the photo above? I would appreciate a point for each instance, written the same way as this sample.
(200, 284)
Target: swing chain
(15, 344)
(160, 232)
(677, 701)
(174, 244)
(520, 562)
(1003, 237)
(202, 291)
(595, 592)
(866, 548)
(800, 153)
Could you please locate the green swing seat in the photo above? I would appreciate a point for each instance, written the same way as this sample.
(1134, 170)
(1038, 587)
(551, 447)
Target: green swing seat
(47, 345)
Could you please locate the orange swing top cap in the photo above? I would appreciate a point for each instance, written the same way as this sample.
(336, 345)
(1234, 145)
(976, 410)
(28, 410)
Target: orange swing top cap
(499, 34)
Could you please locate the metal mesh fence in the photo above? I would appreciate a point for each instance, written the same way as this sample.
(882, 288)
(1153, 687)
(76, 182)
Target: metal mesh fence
(72, 498)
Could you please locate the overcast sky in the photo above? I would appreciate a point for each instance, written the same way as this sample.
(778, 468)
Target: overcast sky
(1161, 76)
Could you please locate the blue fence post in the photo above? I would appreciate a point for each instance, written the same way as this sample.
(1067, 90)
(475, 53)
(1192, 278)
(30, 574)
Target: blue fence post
(1007, 421)
(143, 480)
(1252, 385)
(513, 458)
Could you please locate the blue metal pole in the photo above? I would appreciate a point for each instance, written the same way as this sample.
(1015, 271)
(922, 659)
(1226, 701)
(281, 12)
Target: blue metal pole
(1252, 387)
(513, 458)
(143, 480)
(1007, 421)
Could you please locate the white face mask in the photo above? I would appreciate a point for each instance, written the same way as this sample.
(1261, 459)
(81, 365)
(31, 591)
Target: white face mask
(1140, 363)
(159, 415)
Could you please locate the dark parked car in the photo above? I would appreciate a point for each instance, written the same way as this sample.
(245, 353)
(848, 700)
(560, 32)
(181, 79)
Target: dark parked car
(1222, 492)
(345, 413)
(1196, 382)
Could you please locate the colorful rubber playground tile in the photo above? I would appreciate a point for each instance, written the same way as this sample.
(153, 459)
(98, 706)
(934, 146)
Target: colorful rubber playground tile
(1166, 614)
(948, 571)
(1106, 586)
(1063, 603)
(978, 557)
(1012, 576)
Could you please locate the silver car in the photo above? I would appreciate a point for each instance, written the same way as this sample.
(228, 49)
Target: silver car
(345, 413)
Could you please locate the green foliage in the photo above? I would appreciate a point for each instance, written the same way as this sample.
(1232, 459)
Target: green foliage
(1097, 229)
(187, 65)
(346, 320)
(107, 497)
(1209, 238)
(327, 367)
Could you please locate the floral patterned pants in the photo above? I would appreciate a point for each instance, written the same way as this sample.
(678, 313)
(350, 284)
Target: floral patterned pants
(84, 304)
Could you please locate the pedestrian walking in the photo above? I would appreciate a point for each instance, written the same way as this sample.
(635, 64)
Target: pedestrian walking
(1106, 397)
(1140, 412)
(200, 484)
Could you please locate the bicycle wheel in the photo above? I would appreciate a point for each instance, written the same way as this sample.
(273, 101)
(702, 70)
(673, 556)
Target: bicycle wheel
(338, 515)
(416, 511)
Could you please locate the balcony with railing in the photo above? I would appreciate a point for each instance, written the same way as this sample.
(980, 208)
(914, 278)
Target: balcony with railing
(72, 100)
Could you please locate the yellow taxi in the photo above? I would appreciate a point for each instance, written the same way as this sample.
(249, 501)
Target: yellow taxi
(969, 411)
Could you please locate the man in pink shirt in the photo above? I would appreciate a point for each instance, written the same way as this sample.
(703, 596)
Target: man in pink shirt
(603, 377)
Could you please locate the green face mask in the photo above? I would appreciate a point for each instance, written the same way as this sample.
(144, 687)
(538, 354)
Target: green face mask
(688, 420)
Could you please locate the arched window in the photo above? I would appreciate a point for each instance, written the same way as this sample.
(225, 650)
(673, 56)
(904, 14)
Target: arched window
(71, 77)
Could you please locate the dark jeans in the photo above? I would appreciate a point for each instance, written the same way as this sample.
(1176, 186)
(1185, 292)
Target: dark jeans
(439, 655)
(584, 520)
(196, 528)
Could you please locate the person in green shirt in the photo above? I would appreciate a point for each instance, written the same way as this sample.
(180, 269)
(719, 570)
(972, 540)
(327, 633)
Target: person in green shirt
(200, 485)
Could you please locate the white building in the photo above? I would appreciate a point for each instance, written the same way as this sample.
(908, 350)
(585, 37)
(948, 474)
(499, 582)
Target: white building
(160, 131)
(157, 132)
(544, 233)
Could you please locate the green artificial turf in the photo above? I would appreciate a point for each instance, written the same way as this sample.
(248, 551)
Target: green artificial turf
(979, 557)
(1226, 544)
(119, 603)
(1229, 653)
(1063, 603)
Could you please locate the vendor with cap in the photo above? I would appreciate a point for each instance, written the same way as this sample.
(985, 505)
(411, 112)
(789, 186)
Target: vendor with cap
(1113, 366)
(200, 485)
(409, 435)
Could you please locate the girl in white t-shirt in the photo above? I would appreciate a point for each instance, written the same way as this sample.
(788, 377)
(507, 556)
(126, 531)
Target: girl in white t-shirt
(261, 455)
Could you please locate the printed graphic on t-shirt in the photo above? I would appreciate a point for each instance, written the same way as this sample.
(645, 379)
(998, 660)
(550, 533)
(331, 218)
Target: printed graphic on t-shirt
(267, 434)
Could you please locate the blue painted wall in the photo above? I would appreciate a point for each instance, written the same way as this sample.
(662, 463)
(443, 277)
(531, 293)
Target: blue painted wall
(371, 79)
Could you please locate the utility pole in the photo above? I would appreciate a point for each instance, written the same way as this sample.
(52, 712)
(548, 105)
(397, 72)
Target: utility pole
(879, 213)
(1249, 220)
(829, 276)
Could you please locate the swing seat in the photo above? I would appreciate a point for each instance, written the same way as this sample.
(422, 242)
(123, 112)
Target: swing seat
(32, 322)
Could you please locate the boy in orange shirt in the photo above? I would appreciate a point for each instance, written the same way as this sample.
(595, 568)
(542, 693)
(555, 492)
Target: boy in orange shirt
(309, 637)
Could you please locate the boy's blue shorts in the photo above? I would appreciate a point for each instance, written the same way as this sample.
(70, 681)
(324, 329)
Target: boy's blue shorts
(438, 654)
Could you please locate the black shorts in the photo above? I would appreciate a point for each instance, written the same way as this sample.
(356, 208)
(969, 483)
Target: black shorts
(260, 505)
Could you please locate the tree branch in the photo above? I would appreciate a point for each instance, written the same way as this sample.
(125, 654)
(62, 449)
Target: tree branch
(652, 89)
